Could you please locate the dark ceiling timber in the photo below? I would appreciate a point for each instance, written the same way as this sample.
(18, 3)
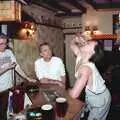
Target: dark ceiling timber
(77, 5)
(42, 4)
(106, 4)
(61, 10)
(54, 4)
(69, 14)
(74, 7)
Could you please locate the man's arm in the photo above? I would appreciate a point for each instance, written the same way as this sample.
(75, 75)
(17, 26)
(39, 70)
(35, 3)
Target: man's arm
(51, 81)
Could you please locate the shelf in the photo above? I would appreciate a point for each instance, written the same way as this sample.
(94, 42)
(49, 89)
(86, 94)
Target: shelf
(72, 27)
(49, 25)
(104, 36)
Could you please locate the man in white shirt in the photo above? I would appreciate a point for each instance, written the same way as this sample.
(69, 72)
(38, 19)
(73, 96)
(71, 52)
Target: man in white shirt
(48, 68)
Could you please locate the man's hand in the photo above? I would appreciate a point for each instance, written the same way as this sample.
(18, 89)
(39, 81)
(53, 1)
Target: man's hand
(50, 81)
(60, 83)
(31, 80)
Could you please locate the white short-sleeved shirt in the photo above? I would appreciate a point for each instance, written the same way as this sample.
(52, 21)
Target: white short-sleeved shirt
(53, 69)
(6, 79)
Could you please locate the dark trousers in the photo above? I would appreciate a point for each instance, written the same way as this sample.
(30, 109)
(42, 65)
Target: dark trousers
(3, 105)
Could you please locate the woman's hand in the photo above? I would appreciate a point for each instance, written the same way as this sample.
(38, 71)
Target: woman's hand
(8, 65)
(12, 65)
(81, 39)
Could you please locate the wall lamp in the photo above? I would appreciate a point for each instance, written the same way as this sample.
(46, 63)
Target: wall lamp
(27, 30)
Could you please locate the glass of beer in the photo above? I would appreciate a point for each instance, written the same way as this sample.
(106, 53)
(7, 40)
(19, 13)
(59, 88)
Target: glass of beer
(61, 107)
(47, 112)
(18, 101)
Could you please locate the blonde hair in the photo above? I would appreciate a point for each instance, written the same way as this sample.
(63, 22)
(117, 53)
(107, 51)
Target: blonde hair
(86, 37)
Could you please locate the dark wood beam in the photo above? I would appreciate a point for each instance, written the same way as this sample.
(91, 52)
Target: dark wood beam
(108, 6)
(77, 5)
(51, 5)
(61, 8)
(69, 14)
(44, 6)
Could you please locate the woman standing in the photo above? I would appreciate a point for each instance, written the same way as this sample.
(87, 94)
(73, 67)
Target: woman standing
(7, 63)
(97, 96)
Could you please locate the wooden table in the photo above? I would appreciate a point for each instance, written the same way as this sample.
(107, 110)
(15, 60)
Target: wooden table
(74, 105)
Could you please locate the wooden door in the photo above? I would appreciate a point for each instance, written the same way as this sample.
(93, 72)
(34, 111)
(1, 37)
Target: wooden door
(70, 59)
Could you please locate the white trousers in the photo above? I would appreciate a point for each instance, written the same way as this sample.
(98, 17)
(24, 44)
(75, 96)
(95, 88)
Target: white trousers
(100, 112)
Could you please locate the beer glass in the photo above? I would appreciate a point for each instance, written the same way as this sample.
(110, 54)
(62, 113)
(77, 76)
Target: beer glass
(61, 107)
(47, 112)
(18, 101)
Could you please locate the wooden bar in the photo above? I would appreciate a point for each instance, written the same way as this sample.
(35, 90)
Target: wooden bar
(74, 105)
(38, 99)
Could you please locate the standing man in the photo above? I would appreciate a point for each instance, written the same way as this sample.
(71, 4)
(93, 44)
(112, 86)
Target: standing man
(48, 68)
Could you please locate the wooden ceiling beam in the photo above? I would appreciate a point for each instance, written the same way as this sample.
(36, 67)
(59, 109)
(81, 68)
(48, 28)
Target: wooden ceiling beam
(51, 5)
(62, 8)
(77, 5)
(69, 14)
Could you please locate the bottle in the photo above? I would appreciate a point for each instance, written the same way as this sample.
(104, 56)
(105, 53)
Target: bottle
(10, 106)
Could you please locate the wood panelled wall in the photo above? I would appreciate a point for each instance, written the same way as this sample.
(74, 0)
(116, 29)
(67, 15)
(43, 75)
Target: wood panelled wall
(26, 51)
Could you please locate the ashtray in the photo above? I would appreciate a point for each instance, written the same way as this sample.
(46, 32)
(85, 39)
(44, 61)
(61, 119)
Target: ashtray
(34, 114)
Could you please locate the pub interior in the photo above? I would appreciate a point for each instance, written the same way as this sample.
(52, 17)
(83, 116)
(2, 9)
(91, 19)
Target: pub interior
(28, 23)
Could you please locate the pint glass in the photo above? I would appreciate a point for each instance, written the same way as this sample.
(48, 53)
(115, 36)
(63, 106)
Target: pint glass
(61, 106)
(47, 112)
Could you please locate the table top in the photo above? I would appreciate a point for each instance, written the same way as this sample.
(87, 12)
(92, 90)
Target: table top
(42, 97)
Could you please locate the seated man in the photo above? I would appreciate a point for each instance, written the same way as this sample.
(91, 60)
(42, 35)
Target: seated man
(49, 69)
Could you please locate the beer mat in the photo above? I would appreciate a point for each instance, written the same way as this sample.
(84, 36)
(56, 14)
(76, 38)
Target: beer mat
(34, 114)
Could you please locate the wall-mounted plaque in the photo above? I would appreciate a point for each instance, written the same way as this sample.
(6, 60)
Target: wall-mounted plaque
(10, 10)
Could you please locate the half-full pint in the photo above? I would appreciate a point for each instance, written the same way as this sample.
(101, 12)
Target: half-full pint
(61, 106)
(48, 112)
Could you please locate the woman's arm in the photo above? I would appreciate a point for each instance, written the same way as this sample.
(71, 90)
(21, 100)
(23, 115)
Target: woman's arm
(7, 67)
(81, 82)
(74, 45)
(77, 42)
(21, 72)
